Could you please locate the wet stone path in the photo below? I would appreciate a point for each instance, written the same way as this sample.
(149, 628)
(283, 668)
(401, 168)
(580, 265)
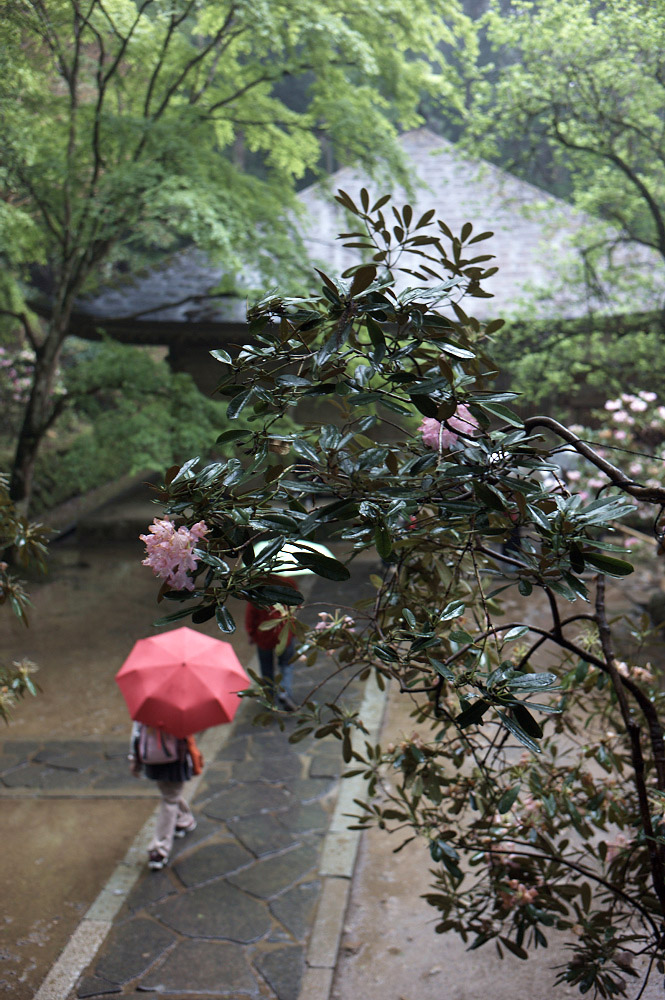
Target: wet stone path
(231, 914)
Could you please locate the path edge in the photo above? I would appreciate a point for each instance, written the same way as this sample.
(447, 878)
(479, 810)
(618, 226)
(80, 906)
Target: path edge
(338, 861)
(97, 922)
(336, 870)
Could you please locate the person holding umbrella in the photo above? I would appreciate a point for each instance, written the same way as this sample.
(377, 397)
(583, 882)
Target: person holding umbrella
(169, 762)
(175, 684)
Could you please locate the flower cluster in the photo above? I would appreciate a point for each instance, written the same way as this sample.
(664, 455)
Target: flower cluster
(331, 632)
(637, 428)
(328, 622)
(438, 436)
(16, 370)
(171, 552)
(617, 846)
(516, 894)
(644, 674)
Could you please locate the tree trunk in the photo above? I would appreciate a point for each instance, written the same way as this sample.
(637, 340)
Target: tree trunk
(38, 414)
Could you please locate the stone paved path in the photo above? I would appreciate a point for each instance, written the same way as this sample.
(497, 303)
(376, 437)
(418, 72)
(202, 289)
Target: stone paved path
(232, 914)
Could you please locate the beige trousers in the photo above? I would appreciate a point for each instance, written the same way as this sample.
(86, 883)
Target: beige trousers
(173, 812)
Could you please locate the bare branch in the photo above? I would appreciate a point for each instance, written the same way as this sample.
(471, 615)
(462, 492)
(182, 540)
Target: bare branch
(650, 494)
(656, 852)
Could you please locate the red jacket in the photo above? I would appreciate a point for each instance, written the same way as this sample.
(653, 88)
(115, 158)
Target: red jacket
(254, 616)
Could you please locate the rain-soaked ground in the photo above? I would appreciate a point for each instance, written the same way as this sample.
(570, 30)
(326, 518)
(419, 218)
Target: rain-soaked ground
(59, 849)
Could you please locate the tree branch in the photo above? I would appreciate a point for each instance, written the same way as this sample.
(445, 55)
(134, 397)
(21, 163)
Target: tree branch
(29, 332)
(656, 852)
(650, 494)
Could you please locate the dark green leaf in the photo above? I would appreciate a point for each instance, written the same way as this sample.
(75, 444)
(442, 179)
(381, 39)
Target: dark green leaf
(292, 380)
(498, 410)
(455, 350)
(508, 798)
(515, 633)
(386, 653)
(515, 949)
(383, 540)
(305, 450)
(238, 403)
(425, 405)
(539, 516)
(460, 635)
(473, 714)
(525, 719)
(608, 564)
(225, 619)
(442, 669)
(235, 434)
(222, 356)
(324, 566)
(185, 471)
(329, 283)
(175, 616)
(519, 733)
(203, 614)
(362, 279)
(409, 617)
(273, 593)
(271, 549)
(532, 682)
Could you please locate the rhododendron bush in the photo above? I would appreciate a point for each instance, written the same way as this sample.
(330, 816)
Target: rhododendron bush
(537, 793)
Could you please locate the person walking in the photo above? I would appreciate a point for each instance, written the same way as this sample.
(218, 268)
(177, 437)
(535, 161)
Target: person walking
(267, 640)
(169, 762)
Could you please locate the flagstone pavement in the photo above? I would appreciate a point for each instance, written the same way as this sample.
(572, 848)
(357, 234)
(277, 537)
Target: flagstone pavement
(232, 914)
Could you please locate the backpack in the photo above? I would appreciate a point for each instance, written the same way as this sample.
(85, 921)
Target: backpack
(156, 746)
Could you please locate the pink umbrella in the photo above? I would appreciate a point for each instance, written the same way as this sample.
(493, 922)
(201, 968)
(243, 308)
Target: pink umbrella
(182, 681)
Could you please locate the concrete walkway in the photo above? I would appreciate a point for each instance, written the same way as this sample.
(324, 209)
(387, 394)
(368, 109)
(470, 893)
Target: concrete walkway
(253, 902)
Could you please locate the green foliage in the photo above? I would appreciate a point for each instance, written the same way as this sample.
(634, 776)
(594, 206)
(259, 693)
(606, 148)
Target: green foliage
(25, 543)
(500, 781)
(585, 79)
(124, 411)
(127, 128)
(558, 369)
(127, 123)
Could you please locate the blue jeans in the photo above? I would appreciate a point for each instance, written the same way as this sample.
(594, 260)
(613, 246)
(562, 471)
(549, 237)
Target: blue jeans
(267, 664)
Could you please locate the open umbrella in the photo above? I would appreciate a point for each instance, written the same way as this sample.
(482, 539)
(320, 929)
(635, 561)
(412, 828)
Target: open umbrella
(182, 681)
(285, 562)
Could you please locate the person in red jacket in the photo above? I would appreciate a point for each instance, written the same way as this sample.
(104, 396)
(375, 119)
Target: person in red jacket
(267, 639)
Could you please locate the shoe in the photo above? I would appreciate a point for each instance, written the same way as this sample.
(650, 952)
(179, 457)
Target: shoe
(286, 703)
(182, 831)
(156, 861)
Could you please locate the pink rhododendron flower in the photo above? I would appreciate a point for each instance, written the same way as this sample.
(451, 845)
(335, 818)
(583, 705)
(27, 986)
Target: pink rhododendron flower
(643, 674)
(435, 435)
(616, 846)
(171, 553)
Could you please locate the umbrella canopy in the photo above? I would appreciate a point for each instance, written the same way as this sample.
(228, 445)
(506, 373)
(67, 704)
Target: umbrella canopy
(182, 681)
(285, 563)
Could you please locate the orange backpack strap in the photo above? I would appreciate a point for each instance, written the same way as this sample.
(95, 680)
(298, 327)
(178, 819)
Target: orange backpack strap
(195, 755)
